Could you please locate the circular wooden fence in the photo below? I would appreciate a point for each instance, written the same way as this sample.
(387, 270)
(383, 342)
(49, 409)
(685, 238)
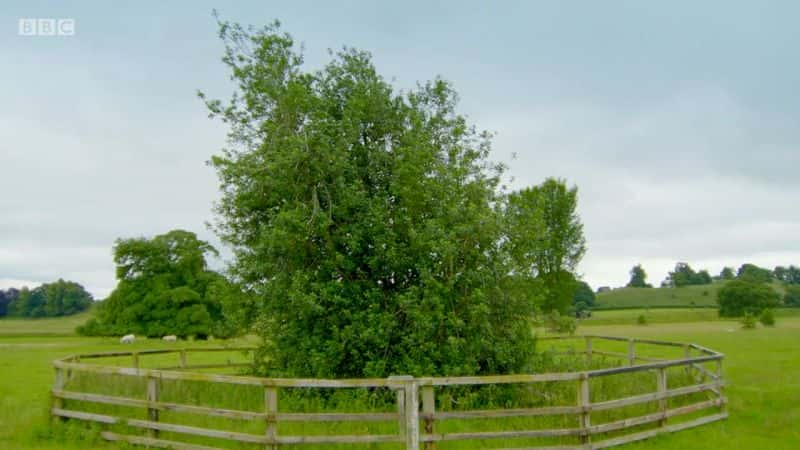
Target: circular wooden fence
(660, 387)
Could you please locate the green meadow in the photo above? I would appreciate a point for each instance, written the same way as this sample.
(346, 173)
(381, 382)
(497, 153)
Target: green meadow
(761, 367)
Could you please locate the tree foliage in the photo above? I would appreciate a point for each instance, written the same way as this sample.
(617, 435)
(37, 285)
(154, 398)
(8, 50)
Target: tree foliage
(638, 278)
(164, 287)
(583, 299)
(754, 274)
(738, 297)
(6, 297)
(368, 224)
(684, 275)
(792, 296)
(788, 275)
(544, 239)
(59, 298)
(727, 273)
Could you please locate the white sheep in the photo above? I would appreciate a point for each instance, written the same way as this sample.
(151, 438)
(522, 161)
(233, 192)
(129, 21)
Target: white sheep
(170, 338)
(127, 339)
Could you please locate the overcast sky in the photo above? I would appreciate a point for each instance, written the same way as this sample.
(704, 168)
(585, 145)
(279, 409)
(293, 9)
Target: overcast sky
(678, 121)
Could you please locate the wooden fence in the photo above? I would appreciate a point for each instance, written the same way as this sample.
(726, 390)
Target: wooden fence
(416, 415)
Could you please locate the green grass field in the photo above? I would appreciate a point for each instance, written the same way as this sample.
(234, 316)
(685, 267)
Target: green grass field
(703, 296)
(761, 366)
(683, 297)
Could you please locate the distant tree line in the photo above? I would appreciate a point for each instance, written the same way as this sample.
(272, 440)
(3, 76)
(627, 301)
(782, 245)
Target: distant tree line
(60, 298)
(748, 290)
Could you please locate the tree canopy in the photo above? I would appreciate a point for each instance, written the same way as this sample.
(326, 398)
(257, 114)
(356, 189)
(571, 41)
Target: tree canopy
(753, 273)
(684, 275)
(638, 277)
(738, 297)
(59, 298)
(367, 224)
(727, 273)
(164, 287)
(584, 298)
(544, 239)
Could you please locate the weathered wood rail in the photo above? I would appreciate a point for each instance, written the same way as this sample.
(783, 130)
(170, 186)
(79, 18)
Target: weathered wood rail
(415, 415)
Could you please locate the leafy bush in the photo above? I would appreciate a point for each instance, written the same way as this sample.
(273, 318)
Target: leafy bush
(748, 321)
(558, 323)
(767, 318)
(739, 297)
(641, 320)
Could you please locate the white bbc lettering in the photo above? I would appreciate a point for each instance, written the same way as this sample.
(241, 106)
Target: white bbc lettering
(27, 27)
(46, 27)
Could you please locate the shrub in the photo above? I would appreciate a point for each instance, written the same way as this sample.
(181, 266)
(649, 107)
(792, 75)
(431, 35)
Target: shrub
(767, 318)
(641, 320)
(562, 324)
(739, 297)
(748, 321)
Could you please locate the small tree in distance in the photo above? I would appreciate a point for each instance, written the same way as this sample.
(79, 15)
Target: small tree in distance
(727, 273)
(738, 298)
(638, 278)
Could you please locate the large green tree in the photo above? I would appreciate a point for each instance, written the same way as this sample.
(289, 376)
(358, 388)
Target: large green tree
(544, 239)
(364, 221)
(164, 287)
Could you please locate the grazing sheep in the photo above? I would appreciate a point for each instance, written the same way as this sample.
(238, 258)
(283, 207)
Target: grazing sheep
(127, 339)
(170, 338)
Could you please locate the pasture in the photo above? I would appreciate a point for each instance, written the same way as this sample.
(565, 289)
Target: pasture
(761, 367)
(700, 296)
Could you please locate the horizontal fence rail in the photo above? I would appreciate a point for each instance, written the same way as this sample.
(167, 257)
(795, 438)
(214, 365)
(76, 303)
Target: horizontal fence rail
(414, 413)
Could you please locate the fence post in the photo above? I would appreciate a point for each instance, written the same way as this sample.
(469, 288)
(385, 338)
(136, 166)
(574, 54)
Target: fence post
(183, 358)
(632, 352)
(719, 385)
(687, 353)
(585, 401)
(401, 403)
(58, 385)
(135, 357)
(428, 409)
(661, 382)
(152, 397)
(589, 350)
(412, 415)
(271, 409)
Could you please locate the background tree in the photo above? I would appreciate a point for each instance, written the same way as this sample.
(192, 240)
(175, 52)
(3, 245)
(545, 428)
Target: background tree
(727, 273)
(754, 274)
(738, 297)
(684, 275)
(60, 298)
(791, 296)
(545, 239)
(363, 221)
(164, 287)
(638, 277)
(4, 301)
(583, 299)
(788, 275)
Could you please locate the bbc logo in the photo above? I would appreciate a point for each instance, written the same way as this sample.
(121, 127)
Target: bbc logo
(46, 27)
